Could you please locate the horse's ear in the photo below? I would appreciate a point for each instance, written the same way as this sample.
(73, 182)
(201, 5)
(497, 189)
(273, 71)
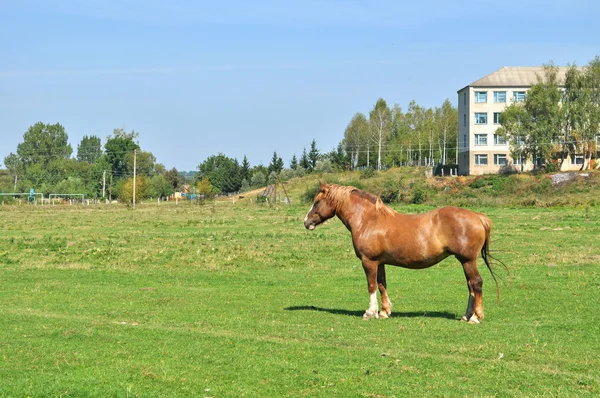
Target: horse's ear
(322, 186)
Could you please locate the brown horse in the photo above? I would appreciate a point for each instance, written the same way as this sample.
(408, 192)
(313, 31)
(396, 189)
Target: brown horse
(382, 236)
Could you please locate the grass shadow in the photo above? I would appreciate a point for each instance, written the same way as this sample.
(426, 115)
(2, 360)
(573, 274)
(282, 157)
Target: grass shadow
(359, 314)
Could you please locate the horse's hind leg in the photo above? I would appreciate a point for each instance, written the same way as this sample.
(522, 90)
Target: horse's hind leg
(370, 268)
(474, 312)
(386, 304)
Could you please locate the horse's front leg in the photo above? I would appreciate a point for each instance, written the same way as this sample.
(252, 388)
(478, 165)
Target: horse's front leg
(386, 304)
(371, 268)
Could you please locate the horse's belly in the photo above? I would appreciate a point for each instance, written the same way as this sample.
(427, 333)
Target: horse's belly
(415, 262)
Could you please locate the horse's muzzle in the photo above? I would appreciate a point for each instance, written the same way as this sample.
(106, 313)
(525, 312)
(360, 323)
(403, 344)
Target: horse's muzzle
(308, 225)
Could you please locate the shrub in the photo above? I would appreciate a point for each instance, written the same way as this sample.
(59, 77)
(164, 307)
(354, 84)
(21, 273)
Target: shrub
(309, 194)
(369, 172)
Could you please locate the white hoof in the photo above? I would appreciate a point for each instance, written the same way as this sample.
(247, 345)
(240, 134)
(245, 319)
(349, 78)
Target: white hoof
(383, 315)
(368, 315)
(474, 320)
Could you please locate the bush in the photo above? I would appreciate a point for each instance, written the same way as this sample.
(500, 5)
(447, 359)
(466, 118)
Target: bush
(390, 193)
(309, 194)
(369, 172)
(419, 196)
(324, 166)
(258, 179)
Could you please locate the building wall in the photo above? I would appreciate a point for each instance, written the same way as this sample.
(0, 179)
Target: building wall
(478, 143)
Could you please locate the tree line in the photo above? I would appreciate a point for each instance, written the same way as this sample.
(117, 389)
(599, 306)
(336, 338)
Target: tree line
(44, 161)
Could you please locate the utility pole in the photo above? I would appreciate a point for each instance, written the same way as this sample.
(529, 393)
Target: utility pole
(134, 166)
(104, 184)
(15, 183)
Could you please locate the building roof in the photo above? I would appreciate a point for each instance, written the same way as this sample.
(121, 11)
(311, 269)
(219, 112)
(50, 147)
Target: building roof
(516, 76)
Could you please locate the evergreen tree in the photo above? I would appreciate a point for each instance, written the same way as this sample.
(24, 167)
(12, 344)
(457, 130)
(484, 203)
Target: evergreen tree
(294, 163)
(245, 169)
(276, 164)
(313, 155)
(304, 162)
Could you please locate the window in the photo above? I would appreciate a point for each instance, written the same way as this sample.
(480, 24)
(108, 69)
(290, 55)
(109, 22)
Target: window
(500, 159)
(480, 117)
(465, 98)
(499, 96)
(520, 140)
(480, 139)
(519, 160)
(480, 96)
(499, 140)
(496, 117)
(481, 160)
(465, 139)
(519, 96)
(465, 120)
(577, 159)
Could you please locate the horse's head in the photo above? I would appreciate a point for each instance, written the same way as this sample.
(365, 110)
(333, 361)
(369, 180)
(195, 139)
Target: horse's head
(321, 210)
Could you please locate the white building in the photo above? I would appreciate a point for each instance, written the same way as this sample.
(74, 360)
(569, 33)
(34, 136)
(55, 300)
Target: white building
(480, 150)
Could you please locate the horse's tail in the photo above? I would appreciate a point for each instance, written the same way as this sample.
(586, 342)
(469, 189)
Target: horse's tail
(485, 250)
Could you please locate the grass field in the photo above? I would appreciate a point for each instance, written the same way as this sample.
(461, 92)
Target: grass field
(240, 300)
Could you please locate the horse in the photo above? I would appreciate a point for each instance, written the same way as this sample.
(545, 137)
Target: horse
(383, 236)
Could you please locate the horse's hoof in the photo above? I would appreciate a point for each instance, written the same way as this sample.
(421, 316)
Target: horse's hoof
(474, 320)
(368, 316)
(464, 318)
(383, 315)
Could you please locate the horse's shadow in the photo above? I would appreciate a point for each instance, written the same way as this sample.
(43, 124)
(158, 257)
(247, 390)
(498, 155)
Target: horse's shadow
(359, 314)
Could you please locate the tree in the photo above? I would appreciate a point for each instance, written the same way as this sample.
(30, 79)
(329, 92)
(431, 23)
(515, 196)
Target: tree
(533, 126)
(42, 143)
(339, 158)
(259, 179)
(304, 161)
(276, 164)
(581, 111)
(223, 173)
(145, 163)
(379, 124)
(205, 188)
(158, 187)
(174, 178)
(294, 162)
(89, 149)
(245, 170)
(446, 117)
(116, 150)
(355, 137)
(313, 155)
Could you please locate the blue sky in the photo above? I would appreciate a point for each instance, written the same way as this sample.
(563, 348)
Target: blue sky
(196, 78)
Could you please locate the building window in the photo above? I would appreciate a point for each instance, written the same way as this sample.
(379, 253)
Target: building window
(520, 140)
(577, 159)
(480, 139)
(500, 159)
(465, 120)
(465, 98)
(480, 97)
(481, 160)
(465, 139)
(496, 117)
(499, 96)
(480, 117)
(499, 140)
(519, 96)
(519, 160)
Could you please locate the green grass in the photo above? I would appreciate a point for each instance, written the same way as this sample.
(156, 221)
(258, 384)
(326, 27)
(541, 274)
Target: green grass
(241, 300)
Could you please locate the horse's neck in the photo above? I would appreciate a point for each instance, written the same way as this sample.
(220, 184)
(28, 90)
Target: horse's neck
(350, 212)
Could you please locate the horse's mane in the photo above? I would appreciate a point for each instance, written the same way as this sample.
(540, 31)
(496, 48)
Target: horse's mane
(344, 192)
